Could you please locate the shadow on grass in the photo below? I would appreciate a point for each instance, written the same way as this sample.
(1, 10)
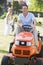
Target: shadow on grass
(3, 51)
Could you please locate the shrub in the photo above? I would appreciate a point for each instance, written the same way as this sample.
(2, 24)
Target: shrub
(39, 23)
(3, 16)
(0, 7)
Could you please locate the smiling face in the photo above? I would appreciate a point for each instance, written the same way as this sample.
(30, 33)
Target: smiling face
(25, 10)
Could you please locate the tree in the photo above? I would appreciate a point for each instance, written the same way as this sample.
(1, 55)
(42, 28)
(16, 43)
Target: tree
(2, 1)
(16, 6)
(40, 4)
(36, 5)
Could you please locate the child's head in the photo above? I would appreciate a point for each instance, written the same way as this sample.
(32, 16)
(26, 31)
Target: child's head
(10, 10)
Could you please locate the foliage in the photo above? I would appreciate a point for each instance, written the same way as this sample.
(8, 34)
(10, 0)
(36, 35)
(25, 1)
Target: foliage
(16, 6)
(0, 6)
(3, 16)
(40, 4)
(2, 1)
(39, 23)
(36, 5)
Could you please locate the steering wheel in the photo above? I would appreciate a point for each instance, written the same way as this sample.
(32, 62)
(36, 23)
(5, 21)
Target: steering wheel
(27, 28)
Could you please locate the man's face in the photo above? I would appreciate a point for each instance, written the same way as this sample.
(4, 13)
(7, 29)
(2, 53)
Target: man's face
(24, 9)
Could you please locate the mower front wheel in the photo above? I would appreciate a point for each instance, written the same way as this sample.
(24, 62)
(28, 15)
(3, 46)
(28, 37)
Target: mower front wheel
(5, 60)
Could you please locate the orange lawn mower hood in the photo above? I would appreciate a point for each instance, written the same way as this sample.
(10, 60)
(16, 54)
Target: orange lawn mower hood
(24, 51)
(25, 36)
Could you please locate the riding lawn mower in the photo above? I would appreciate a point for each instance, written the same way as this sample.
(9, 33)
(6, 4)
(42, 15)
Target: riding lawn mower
(23, 51)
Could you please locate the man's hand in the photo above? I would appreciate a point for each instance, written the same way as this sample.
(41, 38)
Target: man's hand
(33, 26)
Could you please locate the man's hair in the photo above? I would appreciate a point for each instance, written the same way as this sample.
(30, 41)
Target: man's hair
(24, 5)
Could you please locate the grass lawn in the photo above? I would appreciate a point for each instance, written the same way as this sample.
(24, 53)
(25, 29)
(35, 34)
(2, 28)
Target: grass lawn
(5, 40)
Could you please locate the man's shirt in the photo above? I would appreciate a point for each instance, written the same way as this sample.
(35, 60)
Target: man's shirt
(28, 20)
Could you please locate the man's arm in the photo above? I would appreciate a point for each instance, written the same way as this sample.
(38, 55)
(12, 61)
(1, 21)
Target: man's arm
(19, 21)
(34, 23)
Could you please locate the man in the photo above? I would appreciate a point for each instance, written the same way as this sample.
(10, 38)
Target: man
(27, 18)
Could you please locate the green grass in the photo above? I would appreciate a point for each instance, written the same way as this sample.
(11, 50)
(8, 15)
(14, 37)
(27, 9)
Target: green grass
(5, 40)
